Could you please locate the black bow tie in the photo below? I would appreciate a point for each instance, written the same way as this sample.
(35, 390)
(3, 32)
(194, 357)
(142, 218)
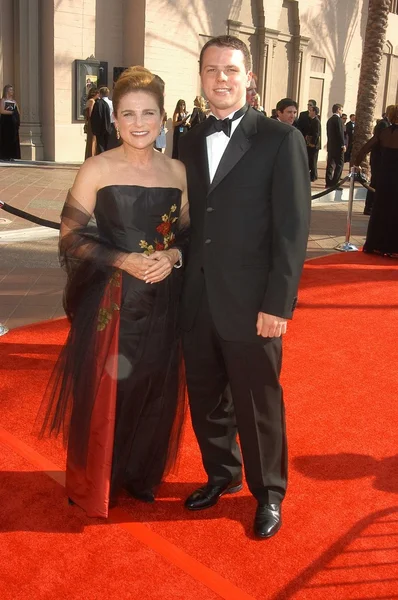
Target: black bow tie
(214, 125)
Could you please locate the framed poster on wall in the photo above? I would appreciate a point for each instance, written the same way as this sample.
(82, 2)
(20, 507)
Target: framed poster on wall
(88, 74)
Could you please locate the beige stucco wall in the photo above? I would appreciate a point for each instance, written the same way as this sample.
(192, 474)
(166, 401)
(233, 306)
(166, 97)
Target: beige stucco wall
(166, 36)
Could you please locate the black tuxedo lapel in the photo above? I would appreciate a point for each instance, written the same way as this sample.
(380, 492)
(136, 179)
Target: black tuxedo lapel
(238, 146)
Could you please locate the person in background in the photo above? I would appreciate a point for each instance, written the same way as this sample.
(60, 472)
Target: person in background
(382, 234)
(251, 90)
(199, 112)
(375, 163)
(113, 140)
(9, 125)
(303, 122)
(344, 118)
(101, 121)
(180, 126)
(286, 111)
(349, 128)
(91, 141)
(313, 141)
(274, 114)
(257, 105)
(161, 140)
(335, 147)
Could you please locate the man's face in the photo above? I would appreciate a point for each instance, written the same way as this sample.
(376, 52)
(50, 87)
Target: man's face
(288, 115)
(352, 118)
(311, 112)
(340, 111)
(310, 105)
(224, 79)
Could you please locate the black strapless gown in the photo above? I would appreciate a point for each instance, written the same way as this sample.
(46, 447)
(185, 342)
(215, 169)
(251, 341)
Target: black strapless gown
(382, 234)
(118, 390)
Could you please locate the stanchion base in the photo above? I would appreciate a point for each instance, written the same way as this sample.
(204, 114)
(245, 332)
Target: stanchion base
(346, 247)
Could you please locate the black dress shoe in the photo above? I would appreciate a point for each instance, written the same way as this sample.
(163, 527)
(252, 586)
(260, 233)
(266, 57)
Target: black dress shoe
(268, 520)
(208, 495)
(143, 495)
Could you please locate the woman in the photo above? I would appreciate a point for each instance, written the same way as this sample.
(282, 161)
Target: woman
(116, 392)
(91, 142)
(9, 125)
(199, 111)
(180, 126)
(382, 234)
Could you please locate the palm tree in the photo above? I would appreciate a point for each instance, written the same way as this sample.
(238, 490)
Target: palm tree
(375, 37)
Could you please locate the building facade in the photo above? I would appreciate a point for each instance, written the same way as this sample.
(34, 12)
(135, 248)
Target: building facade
(300, 49)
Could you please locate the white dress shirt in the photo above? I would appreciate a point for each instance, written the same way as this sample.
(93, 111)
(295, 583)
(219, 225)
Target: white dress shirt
(110, 104)
(216, 145)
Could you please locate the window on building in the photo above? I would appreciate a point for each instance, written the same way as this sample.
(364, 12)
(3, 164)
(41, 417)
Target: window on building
(318, 64)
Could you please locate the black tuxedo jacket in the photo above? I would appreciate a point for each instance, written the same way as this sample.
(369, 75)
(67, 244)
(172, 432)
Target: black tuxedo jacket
(335, 132)
(303, 122)
(350, 128)
(249, 227)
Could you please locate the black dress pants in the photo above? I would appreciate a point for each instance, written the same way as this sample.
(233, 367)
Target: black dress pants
(313, 162)
(334, 168)
(234, 388)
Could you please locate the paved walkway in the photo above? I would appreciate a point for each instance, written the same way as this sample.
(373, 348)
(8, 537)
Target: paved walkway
(31, 280)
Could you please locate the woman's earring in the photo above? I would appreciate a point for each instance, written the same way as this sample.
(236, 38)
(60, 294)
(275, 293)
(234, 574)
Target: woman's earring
(117, 132)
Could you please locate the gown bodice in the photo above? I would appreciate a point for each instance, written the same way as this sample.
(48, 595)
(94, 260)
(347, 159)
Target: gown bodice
(135, 218)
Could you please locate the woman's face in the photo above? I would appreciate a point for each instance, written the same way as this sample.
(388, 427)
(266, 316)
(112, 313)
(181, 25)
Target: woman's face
(10, 92)
(182, 107)
(138, 119)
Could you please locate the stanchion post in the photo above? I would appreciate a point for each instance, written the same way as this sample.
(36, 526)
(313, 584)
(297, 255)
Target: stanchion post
(347, 246)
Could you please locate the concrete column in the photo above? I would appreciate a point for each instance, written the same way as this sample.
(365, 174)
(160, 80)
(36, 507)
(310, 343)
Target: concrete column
(28, 79)
(270, 42)
(7, 43)
(134, 33)
(300, 46)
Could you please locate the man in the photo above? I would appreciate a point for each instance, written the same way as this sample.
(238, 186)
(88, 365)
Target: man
(249, 209)
(313, 140)
(286, 111)
(113, 141)
(101, 121)
(303, 122)
(335, 147)
(349, 129)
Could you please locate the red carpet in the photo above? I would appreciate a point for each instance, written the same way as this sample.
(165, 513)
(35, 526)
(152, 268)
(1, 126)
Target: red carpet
(340, 532)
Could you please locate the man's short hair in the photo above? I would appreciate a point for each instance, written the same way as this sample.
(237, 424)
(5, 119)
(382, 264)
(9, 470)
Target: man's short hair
(104, 91)
(284, 103)
(316, 110)
(228, 41)
(313, 102)
(344, 115)
(335, 107)
(353, 115)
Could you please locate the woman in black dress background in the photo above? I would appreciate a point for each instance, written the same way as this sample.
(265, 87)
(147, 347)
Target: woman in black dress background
(9, 125)
(382, 234)
(117, 392)
(180, 125)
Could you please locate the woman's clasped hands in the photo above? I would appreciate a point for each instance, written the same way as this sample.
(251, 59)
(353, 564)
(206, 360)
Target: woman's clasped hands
(153, 268)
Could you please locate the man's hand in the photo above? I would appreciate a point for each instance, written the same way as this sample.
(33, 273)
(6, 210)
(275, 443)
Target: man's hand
(270, 326)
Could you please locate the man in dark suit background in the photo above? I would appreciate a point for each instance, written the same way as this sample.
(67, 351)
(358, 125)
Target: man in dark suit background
(313, 140)
(303, 122)
(335, 147)
(349, 128)
(249, 195)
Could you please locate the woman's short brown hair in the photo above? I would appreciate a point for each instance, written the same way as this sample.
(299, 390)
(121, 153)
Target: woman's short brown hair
(137, 79)
(392, 113)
